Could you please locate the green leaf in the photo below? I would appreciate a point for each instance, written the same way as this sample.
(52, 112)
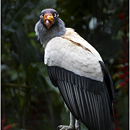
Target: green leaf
(32, 34)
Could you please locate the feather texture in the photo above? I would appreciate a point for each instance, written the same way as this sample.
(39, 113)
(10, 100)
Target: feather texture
(88, 100)
(81, 59)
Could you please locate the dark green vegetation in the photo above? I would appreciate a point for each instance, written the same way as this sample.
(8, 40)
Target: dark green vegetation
(29, 101)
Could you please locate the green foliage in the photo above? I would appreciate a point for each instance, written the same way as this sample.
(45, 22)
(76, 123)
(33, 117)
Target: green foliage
(29, 100)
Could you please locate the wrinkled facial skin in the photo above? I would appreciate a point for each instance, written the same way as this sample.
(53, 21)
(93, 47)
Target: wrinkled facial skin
(49, 26)
(48, 17)
(48, 20)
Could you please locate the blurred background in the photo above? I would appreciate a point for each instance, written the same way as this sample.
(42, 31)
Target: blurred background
(29, 101)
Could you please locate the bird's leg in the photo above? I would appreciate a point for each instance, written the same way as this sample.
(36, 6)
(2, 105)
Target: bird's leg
(72, 120)
(71, 126)
(77, 124)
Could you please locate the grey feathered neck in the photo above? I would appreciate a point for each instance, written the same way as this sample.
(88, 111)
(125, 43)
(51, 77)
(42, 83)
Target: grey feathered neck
(45, 35)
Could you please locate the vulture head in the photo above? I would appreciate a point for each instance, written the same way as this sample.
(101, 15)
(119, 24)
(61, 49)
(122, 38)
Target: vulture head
(49, 26)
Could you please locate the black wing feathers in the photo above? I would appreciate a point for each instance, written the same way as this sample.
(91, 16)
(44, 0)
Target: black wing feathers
(87, 99)
(108, 81)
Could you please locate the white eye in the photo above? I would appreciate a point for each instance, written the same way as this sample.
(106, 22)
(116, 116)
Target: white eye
(55, 15)
(41, 16)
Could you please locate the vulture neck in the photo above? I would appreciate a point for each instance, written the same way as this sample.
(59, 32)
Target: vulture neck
(45, 35)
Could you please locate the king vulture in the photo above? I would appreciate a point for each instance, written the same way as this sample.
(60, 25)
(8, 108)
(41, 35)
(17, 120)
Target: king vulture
(77, 69)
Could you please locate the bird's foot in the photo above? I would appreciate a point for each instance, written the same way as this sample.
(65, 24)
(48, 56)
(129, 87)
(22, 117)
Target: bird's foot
(65, 127)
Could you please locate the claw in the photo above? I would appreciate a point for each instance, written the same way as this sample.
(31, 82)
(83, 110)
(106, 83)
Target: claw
(65, 127)
(59, 127)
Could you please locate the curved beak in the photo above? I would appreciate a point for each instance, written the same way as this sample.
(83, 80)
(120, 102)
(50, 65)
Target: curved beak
(48, 20)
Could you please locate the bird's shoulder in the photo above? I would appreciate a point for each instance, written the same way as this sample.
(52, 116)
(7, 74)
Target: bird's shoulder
(71, 34)
(74, 41)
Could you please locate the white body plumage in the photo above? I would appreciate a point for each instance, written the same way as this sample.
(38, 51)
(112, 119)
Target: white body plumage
(73, 53)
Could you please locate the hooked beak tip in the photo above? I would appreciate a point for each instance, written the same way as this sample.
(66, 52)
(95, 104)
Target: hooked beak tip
(48, 24)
